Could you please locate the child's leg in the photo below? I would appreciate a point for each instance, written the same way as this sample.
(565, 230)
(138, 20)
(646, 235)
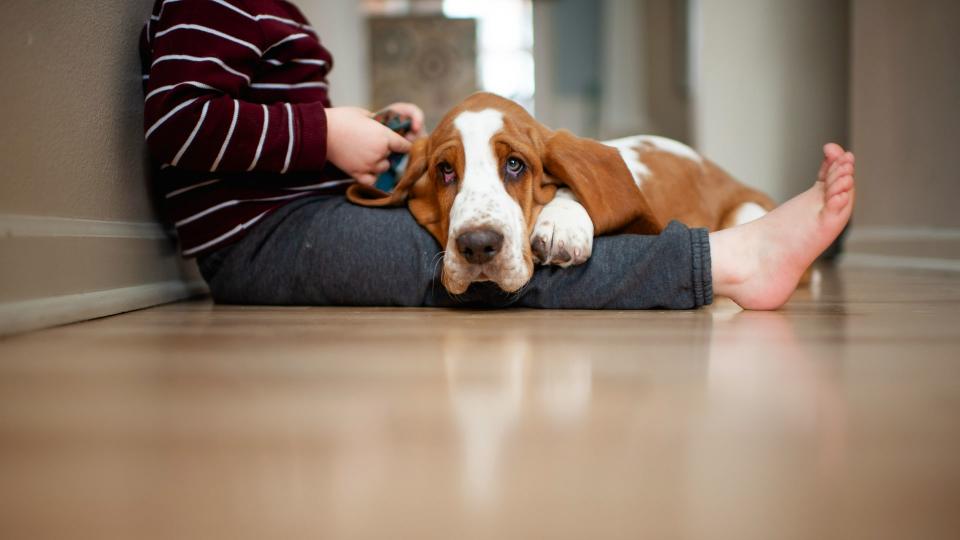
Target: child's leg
(329, 252)
(326, 251)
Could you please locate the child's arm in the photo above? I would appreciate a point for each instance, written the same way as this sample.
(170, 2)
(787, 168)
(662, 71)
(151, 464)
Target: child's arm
(205, 56)
(360, 145)
(362, 148)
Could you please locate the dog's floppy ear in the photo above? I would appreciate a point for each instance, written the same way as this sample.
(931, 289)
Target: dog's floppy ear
(602, 183)
(415, 188)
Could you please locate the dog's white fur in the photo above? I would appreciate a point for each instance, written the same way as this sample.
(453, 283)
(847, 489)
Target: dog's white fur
(483, 202)
(565, 230)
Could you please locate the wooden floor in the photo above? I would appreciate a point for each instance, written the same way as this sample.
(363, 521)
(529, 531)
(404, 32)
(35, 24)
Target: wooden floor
(837, 417)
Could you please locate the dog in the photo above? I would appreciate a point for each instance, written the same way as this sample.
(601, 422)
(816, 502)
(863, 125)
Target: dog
(502, 192)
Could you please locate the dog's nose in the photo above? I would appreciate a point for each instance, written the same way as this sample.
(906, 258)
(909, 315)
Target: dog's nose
(479, 246)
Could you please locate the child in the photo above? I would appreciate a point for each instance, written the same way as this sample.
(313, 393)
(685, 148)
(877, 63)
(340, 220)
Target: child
(253, 158)
(238, 114)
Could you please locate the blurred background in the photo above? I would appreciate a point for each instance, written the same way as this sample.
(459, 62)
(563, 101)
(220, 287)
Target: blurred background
(756, 85)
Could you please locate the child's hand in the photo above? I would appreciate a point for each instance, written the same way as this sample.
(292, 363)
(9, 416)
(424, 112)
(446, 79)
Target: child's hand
(359, 145)
(414, 113)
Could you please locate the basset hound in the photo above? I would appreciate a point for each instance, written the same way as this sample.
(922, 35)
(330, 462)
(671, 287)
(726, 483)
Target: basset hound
(501, 192)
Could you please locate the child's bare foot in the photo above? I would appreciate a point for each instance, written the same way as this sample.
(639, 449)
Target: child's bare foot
(758, 264)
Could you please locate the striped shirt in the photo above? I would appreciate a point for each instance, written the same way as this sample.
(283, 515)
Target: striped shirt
(235, 92)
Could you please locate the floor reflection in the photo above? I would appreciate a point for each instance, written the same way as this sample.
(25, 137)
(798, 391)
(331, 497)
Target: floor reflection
(492, 380)
(774, 430)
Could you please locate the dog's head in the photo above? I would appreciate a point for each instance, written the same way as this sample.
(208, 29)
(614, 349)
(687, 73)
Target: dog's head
(479, 181)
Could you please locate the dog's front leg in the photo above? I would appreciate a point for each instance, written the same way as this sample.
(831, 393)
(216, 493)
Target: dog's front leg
(563, 234)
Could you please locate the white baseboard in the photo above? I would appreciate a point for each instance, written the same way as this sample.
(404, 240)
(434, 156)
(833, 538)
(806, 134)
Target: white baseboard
(903, 263)
(127, 265)
(906, 248)
(902, 234)
(917, 248)
(39, 313)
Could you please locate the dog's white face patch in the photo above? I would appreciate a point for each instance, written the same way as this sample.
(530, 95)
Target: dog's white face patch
(482, 202)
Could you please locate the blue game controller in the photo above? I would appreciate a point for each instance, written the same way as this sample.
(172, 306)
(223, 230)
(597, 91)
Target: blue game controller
(400, 125)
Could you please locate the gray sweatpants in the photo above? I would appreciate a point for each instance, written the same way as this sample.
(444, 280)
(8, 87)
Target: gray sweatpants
(325, 251)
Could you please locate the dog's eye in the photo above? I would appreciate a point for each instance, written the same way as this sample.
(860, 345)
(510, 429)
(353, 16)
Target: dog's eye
(514, 168)
(447, 172)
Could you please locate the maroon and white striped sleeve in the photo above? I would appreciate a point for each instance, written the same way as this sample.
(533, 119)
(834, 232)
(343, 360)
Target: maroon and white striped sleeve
(205, 54)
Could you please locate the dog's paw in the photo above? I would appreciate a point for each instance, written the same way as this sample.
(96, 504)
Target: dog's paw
(563, 235)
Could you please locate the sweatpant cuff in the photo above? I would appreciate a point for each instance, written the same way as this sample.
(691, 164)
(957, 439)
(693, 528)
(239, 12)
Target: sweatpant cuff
(702, 272)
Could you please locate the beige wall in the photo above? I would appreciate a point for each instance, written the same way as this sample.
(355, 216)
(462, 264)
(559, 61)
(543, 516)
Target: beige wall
(343, 30)
(557, 110)
(71, 140)
(906, 112)
(770, 87)
(905, 128)
(666, 50)
(74, 210)
(621, 105)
